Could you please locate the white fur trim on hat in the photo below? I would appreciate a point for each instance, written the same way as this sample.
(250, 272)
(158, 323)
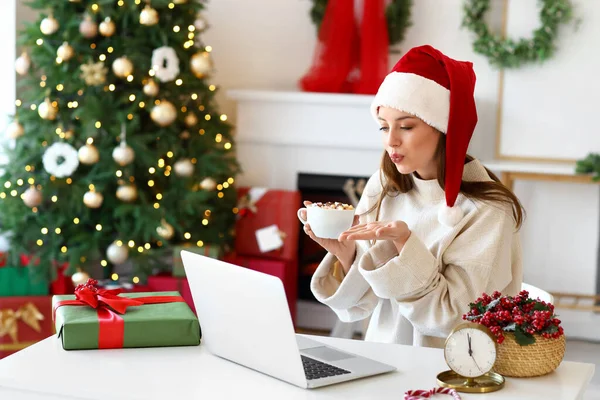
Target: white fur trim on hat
(411, 93)
(450, 216)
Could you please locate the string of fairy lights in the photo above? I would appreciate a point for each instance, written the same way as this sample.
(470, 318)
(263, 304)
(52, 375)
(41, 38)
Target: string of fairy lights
(124, 69)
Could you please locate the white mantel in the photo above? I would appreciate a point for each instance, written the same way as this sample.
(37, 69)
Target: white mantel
(282, 133)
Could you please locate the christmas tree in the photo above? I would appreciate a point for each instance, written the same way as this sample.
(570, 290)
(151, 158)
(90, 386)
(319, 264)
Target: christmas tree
(117, 150)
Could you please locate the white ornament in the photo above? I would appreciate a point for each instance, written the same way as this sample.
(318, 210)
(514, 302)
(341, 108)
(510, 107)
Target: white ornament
(151, 88)
(88, 28)
(49, 25)
(65, 52)
(165, 63)
(123, 154)
(88, 154)
(148, 16)
(117, 254)
(58, 151)
(122, 67)
(107, 27)
(164, 113)
(47, 110)
(93, 199)
(201, 64)
(32, 197)
(80, 278)
(22, 64)
(184, 167)
(14, 130)
(208, 184)
(127, 193)
(200, 23)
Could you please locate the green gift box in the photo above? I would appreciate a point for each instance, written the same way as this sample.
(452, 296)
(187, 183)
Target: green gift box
(16, 281)
(207, 250)
(149, 325)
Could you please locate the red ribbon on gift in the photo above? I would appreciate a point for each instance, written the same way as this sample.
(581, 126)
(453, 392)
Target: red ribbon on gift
(109, 305)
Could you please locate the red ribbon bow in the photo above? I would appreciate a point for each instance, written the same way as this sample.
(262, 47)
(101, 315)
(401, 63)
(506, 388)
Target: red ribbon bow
(108, 303)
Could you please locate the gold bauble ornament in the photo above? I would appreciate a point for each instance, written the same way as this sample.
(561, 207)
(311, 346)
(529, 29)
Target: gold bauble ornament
(122, 67)
(165, 230)
(191, 119)
(14, 130)
(47, 110)
(88, 28)
(32, 197)
(117, 253)
(208, 184)
(80, 278)
(184, 167)
(107, 27)
(123, 154)
(179, 1)
(151, 88)
(49, 25)
(201, 64)
(127, 193)
(65, 52)
(88, 154)
(184, 135)
(148, 16)
(164, 113)
(93, 199)
(22, 64)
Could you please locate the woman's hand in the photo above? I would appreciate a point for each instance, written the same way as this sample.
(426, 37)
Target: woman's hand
(396, 231)
(344, 251)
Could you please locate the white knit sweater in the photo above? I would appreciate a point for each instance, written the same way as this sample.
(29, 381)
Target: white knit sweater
(418, 296)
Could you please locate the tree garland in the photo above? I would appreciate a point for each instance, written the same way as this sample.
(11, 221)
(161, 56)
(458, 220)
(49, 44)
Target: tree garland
(507, 53)
(397, 15)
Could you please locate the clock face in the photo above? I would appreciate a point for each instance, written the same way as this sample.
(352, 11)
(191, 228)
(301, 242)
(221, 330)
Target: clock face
(470, 352)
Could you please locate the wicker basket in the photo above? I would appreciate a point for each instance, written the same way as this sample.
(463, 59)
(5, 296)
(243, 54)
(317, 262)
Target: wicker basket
(540, 358)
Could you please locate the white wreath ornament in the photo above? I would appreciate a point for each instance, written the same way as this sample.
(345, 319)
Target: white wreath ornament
(165, 63)
(53, 153)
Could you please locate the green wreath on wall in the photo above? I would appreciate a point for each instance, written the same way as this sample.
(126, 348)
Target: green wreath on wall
(507, 53)
(397, 15)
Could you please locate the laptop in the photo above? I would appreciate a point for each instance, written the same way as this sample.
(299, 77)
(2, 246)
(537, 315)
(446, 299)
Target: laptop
(245, 318)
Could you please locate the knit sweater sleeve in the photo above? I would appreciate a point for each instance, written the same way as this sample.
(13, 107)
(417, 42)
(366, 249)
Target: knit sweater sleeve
(352, 299)
(434, 293)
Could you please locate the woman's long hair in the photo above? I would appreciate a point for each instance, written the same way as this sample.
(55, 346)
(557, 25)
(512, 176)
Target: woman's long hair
(492, 191)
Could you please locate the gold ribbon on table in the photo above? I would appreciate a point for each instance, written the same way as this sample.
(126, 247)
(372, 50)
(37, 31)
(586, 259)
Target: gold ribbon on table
(9, 318)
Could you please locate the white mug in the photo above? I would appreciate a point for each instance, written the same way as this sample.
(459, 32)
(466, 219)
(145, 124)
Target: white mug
(327, 223)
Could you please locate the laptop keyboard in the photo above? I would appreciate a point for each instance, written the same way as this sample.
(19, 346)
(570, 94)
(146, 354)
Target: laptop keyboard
(314, 369)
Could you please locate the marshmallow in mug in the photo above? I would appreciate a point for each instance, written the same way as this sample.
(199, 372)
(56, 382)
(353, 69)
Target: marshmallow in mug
(333, 205)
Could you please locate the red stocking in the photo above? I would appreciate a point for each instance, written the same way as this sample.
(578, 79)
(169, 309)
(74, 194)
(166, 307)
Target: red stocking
(374, 47)
(334, 56)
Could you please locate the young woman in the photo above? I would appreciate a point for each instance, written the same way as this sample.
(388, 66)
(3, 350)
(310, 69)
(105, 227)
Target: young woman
(434, 228)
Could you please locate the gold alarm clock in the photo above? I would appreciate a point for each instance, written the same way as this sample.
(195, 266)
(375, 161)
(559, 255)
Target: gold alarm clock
(470, 352)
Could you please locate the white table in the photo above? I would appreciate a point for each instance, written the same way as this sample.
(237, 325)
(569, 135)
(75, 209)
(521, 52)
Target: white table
(45, 371)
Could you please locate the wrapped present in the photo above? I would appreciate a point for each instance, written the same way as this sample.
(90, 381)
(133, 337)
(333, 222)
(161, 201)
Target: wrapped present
(23, 322)
(284, 270)
(17, 281)
(206, 250)
(267, 224)
(107, 319)
(63, 283)
(166, 283)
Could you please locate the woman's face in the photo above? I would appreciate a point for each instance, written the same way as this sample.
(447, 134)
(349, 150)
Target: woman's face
(409, 142)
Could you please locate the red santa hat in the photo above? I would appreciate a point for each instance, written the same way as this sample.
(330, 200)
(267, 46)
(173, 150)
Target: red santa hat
(438, 90)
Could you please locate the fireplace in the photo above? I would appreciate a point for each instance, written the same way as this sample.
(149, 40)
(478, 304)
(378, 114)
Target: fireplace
(320, 187)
